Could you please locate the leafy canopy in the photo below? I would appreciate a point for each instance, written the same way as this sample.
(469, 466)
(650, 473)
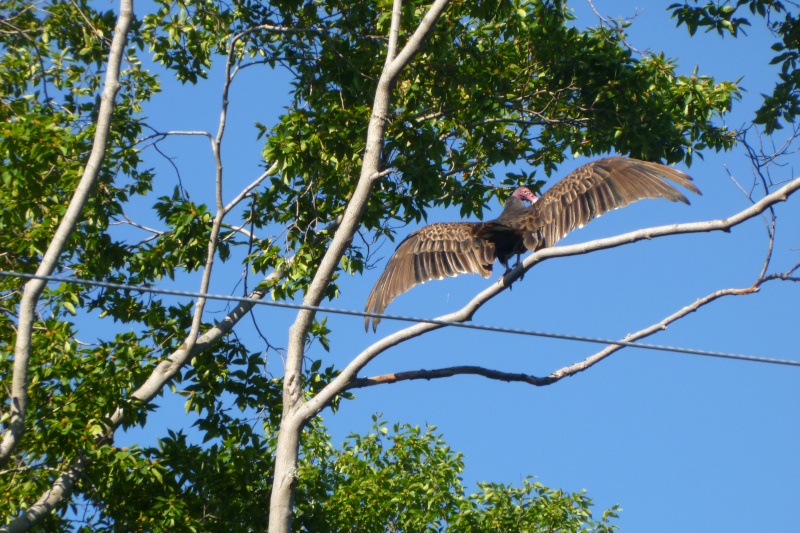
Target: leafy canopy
(498, 83)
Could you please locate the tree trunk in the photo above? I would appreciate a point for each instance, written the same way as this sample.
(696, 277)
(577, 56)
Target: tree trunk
(284, 480)
(295, 411)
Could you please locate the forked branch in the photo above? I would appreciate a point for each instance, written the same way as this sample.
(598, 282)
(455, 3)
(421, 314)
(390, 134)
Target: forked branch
(567, 371)
(348, 377)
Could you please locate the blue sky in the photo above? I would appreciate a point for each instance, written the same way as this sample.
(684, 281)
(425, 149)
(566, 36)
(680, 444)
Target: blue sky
(681, 442)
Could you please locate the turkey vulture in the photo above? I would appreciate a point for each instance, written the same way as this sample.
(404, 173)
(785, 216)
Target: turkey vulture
(453, 248)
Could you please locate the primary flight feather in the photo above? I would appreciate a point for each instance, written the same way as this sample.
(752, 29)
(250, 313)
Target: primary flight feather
(453, 248)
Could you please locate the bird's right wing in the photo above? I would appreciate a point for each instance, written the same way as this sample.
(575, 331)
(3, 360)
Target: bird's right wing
(433, 252)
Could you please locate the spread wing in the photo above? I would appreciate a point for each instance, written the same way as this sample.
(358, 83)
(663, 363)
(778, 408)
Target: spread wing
(592, 190)
(431, 252)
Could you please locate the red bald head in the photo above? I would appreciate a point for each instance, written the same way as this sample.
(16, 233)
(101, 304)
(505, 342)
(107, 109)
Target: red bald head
(525, 194)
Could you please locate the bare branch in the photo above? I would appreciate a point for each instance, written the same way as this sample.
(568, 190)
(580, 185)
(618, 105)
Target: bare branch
(446, 373)
(160, 135)
(646, 332)
(242, 195)
(571, 370)
(394, 31)
(423, 31)
(349, 373)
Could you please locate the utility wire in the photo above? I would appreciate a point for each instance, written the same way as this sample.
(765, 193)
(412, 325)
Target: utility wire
(333, 310)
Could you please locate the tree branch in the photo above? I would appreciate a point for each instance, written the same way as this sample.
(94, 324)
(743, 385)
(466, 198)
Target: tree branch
(242, 195)
(446, 373)
(571, 370)
(48, 501)
(349, 374)
(34, 288)
(294, 415)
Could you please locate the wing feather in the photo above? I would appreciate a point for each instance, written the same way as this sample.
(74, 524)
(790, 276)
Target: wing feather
(433, 252)
(450, 249)
(592, 190)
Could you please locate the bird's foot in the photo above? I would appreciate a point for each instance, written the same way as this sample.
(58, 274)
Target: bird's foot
(522, 272)
(506, 282)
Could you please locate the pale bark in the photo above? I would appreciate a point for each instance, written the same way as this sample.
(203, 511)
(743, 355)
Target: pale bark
(33, 288)
(348, 376)
(294, 414)
(296, 411)
(48, 501)
(193, 343)
(575, 368)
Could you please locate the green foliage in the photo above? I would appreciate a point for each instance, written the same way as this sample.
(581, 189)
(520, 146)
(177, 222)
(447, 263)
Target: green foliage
(406, 479)
(783, 105)
(714, 16)
(546, 90)
(497, 83)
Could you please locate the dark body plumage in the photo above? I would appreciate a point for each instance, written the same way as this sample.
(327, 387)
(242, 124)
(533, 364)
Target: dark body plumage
(453, 248)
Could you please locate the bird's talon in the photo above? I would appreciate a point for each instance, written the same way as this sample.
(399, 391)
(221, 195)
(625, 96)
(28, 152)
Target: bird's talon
(443, 249)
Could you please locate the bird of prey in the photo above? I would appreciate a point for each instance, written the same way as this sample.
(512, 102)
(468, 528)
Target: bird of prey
(453, 248)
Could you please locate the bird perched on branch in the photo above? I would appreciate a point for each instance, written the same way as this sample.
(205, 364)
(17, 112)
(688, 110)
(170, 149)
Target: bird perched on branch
(453, 248)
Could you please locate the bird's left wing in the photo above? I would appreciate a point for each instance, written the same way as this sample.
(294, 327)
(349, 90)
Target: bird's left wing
(592, 190)
(433, 252)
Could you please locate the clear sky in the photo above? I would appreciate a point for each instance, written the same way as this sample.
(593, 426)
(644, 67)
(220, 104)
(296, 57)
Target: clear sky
(681, 442)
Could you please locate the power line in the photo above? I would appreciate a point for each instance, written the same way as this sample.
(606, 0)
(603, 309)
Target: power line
(350, 312)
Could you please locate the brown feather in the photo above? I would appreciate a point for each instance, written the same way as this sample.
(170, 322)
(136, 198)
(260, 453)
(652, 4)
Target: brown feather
(452, 248)
(592, 190)
(432, 252)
